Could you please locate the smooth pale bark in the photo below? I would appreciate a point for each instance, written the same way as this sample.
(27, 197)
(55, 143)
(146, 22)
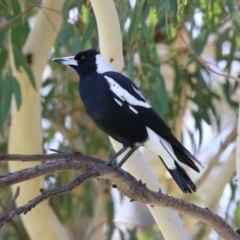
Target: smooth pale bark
(111, 47)
(25, 131)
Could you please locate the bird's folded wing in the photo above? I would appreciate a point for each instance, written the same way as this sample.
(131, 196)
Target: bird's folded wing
(128, 96)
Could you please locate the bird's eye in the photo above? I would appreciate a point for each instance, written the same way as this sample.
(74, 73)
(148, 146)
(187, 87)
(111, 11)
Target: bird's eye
(83, 57)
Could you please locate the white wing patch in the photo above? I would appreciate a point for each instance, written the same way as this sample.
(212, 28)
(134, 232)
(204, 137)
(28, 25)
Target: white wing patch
(118, 102)
(125, 95)
(161, 147)
(102, 65)
(138, 92)
(133, 109)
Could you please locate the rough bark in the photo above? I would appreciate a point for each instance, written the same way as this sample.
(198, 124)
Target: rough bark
(123, 181)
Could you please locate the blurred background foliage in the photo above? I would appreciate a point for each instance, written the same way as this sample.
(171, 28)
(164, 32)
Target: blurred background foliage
(183, 55)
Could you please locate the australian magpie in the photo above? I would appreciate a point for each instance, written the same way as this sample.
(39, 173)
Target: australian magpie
(119, 108)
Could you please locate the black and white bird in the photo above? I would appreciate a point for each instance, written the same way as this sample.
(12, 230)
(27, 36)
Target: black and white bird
(119, 109)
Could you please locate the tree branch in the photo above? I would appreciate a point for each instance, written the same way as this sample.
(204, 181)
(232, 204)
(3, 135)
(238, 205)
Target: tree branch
(125, 183)
(46, 194)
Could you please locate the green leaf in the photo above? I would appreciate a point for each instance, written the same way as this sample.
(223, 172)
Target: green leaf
(173, 10)
(72, 87)
(76, 43)
(6, 98)
(19, 59)
(66, 31)
(16, 90)
(3, 34)
(79, 4)
(198, 125)
(201, 41)
(163, 7)
(180, 10)
(3, 147)
(157, 94)
(49, 81)
(88, 31)
(3, 58)
(237, 214)
(17, 35)
(135, 20)
(234, 14)
(130, 66)
(30, 75)
(16, 7)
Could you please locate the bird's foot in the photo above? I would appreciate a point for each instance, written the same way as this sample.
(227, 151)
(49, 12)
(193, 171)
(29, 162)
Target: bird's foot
(110, 162)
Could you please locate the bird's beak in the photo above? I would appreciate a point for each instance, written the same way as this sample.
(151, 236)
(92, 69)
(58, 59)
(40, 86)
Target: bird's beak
(70, 61)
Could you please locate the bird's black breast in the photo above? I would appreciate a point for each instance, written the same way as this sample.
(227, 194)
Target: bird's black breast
(107, 114)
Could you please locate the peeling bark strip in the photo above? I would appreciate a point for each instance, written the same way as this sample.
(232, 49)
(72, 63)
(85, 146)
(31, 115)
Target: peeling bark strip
(95, 168)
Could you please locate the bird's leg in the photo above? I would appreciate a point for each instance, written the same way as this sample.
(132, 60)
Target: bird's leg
(116, 155)
(125, 158)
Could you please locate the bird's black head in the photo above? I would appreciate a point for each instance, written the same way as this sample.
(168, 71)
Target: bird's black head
(85, 62)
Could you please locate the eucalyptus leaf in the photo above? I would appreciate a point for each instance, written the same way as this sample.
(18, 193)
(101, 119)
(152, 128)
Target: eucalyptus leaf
(6, 98)
(88, 30)
(3, 58)
(16, 7)
(30, 75)
(16, 90)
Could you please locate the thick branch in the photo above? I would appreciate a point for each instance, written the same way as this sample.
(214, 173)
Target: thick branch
(125, 183)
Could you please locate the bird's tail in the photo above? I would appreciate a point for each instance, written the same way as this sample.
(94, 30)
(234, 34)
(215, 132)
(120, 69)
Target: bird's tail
(181, 178)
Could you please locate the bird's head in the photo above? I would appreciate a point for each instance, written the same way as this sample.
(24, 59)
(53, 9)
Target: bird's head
(85, 62)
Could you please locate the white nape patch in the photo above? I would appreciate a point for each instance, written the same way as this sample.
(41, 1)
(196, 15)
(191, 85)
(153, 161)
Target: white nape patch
(124, 94)
(102, 65)
(119, 103)
(161, 147)
(130, 107)
(66, 60)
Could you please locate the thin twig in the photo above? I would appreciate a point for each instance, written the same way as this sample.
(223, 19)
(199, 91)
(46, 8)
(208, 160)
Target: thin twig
(6, 24)
(45, 195)
(202, 62)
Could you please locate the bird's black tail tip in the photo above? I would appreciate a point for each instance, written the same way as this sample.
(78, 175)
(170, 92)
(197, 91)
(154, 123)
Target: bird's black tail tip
(182, 179)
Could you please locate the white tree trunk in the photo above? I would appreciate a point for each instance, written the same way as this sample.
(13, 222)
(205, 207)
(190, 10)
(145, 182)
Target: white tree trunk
(25, 130)
(111, 47)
